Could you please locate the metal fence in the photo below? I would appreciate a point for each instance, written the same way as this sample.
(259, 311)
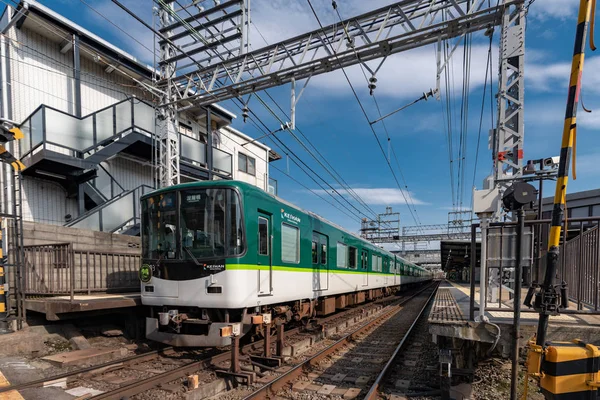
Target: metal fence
(579, 262)
(58, 269)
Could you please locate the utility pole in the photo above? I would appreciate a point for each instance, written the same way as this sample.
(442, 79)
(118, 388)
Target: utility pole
(507, 138)
(168, 163)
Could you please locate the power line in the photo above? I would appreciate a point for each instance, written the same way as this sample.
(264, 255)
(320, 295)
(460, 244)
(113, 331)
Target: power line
(381, 118)
(365, 114)
(487, 71)
(346, 187)
(68, 75)
(57, 31)
(295, 180)
(118, 27)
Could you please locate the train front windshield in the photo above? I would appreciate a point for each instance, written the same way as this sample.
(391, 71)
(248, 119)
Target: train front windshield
(193, 224)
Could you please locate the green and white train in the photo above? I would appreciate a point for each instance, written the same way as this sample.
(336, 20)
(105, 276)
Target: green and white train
(216, 254)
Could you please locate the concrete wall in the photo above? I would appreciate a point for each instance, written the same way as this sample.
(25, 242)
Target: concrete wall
(101, 261)
(82, 239)
(46, 202)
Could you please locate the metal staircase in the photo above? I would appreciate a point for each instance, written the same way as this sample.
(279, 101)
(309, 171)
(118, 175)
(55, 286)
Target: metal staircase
(70, 151)
(117, 215)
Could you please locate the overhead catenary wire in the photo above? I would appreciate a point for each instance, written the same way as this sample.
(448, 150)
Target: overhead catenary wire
(366, 115)
(332, 171)
(381, 117)
(344, 185)
(58, 32)
(488, 70)
(345, 210)
(118, 27)
(47, 28)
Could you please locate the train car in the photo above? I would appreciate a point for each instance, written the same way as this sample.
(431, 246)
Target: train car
(215, 254)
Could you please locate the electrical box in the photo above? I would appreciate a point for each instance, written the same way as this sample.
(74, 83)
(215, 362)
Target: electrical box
(570, 370)
(485, 201)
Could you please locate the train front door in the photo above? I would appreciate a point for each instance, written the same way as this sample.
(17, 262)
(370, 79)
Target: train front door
(265, 255)
(320, 261)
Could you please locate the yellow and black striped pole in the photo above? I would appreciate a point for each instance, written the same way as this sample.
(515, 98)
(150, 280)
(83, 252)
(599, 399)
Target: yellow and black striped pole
(3, 304)
(549, 301)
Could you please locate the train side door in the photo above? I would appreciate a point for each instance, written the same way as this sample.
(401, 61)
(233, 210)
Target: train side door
(265, 254)
(320, 261)
(386, 269)
(396, 270)
(364, 267)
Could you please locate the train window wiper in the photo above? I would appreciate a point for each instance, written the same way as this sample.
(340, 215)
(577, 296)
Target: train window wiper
(187, 249)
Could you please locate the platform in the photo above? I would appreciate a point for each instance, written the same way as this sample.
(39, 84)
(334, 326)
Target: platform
(62, 307)
(449, 317)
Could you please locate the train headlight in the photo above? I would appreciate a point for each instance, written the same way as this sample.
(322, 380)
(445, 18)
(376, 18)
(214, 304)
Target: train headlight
(145, 273)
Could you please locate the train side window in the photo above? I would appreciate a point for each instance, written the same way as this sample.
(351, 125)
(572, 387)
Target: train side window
(263, 236)
(290, 244)
(315, 255)
(376, 263)
(352, 256)
(342, 255)
(364, 258)
(324, 254)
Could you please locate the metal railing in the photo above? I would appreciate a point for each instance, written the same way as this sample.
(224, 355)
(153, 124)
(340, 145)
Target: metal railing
(58, 269)
(56, 130)
(579, 263)
(115, 214)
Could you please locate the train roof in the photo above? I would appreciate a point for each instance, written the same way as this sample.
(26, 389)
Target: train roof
(247, 187)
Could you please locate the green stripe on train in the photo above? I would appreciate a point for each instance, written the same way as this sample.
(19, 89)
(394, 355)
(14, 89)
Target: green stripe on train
(251, 267)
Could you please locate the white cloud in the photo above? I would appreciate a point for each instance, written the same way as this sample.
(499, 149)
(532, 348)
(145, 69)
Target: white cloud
(404, 75)
(552, 77)
(379, 196)
(554, 9)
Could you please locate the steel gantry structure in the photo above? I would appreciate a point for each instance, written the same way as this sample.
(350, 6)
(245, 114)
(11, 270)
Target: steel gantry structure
(199, 68)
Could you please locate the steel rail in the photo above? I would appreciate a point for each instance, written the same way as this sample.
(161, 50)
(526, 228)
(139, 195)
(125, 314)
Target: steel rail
(279, 383)
(374, 391)
(75, 374)
(168, 376)
(119, 363)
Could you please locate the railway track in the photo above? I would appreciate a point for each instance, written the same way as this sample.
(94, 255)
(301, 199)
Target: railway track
(166, 369)
(345, 367)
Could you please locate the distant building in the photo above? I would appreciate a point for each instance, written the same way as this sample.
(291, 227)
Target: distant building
(579, 205)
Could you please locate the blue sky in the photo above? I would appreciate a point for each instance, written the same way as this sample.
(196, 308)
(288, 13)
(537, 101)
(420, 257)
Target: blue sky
(331, 119)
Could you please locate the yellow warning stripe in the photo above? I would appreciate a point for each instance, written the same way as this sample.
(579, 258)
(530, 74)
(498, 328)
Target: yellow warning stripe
(10, 395)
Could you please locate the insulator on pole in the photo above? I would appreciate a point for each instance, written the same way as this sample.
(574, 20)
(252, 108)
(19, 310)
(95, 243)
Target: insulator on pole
(372, 85)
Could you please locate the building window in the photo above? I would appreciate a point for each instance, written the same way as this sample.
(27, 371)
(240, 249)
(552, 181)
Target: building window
(246, 164)
(580, 212)
(342, 253)
(186, 130)
(352, 256)
(290, 244)
(263, 236)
